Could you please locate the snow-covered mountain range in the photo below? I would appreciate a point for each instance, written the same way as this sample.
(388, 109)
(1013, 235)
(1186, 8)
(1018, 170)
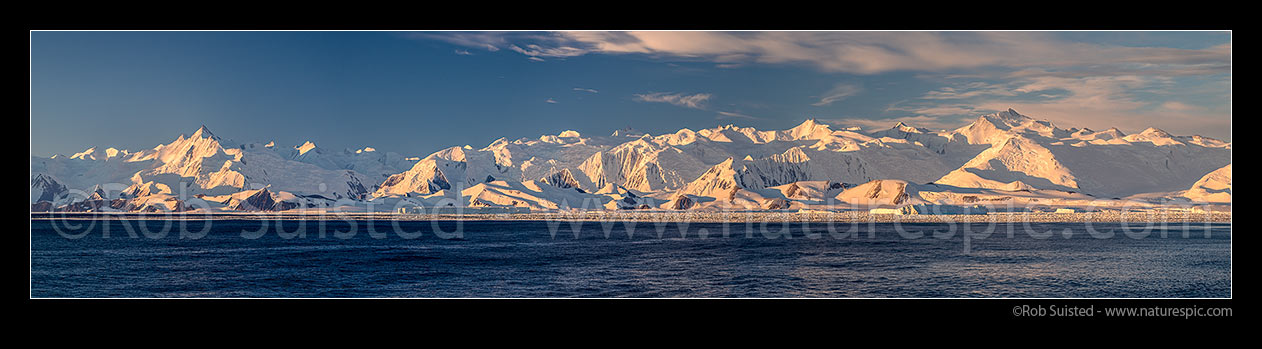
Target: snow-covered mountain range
(1004, 157)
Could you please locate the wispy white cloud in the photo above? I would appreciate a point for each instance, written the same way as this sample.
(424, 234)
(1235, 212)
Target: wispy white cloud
(1128, 102)
(540, 51)
(694, 101)
(1126, 70)
(1179, 106)
(733, 115)
(837, 93)
(1043, 74)
(970, 90)
(872, 52)
(936, 110)
(1039, 53)
(464, 52)
(592, 90)
(550, 100)
(489, 41)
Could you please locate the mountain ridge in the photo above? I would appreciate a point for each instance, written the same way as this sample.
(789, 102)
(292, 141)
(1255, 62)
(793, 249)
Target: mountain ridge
(1004, 151)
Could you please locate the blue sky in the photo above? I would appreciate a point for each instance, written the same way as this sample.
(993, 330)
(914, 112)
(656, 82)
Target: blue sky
(417, 92)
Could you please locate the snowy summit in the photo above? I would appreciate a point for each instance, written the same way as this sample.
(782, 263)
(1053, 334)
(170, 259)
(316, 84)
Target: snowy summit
(1003, 157)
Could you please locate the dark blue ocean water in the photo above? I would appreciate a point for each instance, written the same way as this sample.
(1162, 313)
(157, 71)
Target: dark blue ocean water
(524, 259)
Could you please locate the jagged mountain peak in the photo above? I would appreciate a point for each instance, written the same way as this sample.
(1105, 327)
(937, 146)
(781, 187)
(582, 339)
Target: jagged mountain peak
(46, 188)
(1004, 120)
(1160, 138)
(88, 154)
(627, 132)
(94, 154)
(1156, 132)
(458, 154)
(1115, 132)
(726, 163)
(262, 200)
(997, 127)
(498, 143)
(1005, 151)
(203, 132)
(900, 126)
(810, 129)
(1011, 114)
(808, 125)
(305, 147)
(561, 179)
(97, 193)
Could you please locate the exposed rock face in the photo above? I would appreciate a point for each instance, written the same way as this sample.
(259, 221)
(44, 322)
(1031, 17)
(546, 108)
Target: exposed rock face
(635, 164)
(146, 189)
(629, 201)
(750, 174)
(792, 190)
(262, 200)
(84, 206)
(118, 204)
(776, 204)
(680, 202)
(355, 189)
(45, 188)
(98, 194)
(561, 179)
(878, 192)
(42, 206)
(424, 178)
(720, 179)
(879, 189)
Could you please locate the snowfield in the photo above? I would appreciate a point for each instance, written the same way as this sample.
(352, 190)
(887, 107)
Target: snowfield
(1002, 162)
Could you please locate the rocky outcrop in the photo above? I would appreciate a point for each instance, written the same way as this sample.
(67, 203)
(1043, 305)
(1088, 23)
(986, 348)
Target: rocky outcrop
(45, 188)
(561, 179)
(679, 202)
(261, 200)
(775, 204)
